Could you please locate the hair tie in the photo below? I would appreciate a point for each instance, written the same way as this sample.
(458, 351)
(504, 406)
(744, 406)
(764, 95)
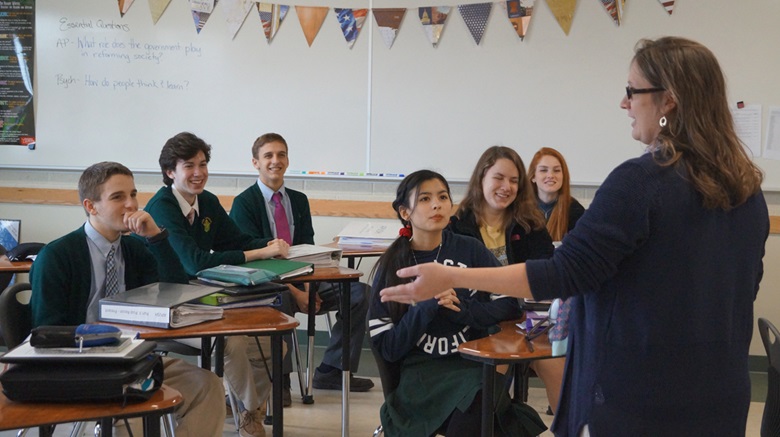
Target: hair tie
(406, 231)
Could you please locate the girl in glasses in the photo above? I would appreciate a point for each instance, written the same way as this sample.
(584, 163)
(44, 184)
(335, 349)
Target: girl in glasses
(675, 234)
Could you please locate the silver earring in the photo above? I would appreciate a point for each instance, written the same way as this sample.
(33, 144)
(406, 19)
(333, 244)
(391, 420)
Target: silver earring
(662, 121)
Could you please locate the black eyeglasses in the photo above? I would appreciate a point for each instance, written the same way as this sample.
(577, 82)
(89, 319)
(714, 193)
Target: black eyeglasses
(631, 91)
(533, 331)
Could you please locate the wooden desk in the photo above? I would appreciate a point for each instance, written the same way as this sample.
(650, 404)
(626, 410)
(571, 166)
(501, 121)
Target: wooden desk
(238, 321)
(17, 415)
(8, 266)
(504, 347)
(342, 276)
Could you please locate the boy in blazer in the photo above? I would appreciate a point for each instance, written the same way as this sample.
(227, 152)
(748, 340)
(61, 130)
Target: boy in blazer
(203, 236)
(268, 209)
(70, 276)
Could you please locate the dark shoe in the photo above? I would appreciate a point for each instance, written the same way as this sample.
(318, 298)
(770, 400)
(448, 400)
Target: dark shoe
(286, 397)
(332, 381)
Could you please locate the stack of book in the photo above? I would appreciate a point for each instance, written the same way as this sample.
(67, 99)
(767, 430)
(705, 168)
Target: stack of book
(360, 235)
(320, 256)
(161, 305)
(228, 301)
(243, 296)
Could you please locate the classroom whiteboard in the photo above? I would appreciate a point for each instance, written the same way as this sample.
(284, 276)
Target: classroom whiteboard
(369, 108)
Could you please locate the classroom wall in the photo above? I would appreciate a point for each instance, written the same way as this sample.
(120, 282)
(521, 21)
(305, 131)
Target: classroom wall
(368, 108)
(46, 222)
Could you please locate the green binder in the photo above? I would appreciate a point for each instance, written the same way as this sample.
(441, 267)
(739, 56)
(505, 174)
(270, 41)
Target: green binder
(283, 268)
(242, 275)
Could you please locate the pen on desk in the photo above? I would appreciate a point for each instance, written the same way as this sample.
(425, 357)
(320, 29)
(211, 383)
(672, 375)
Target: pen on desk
(530, 345)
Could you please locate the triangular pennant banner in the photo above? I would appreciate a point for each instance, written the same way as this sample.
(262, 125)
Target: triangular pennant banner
(124, 6)
(201, 11)
(272, 16)
(311, 18)
(563, 10)
(350, 21)
(668, 5)
(519, 14)
(615, 9)
(235, 14)
(476, 16)
(157, 7)
(433, 19)
(388, 21)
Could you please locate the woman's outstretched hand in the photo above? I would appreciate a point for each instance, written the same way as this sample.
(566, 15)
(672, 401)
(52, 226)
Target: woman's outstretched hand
(430, 280)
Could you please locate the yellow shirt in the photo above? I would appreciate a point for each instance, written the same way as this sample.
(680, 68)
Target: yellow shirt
(495, 241)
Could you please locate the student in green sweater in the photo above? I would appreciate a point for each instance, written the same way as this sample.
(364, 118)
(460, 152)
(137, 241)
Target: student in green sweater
(70, 276)
(204, 236)
(254, 211)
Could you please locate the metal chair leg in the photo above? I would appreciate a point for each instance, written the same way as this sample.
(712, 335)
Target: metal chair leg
(298, 366)
(169, 425)
(234, 407)
(78, 429)
(329, 324)
(379, 431)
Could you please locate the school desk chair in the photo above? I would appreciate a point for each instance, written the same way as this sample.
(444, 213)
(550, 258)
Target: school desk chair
(770, 423)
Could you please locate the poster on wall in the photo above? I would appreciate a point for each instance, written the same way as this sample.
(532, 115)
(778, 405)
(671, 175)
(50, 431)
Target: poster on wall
(17, 22)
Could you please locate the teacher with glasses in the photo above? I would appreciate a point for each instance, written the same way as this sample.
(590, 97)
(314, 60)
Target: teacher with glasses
(663, 267)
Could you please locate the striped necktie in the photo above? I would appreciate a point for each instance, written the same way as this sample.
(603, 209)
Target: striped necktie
(112, 284)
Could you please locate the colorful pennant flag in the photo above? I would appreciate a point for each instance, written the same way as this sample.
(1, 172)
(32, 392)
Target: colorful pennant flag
(124, 6)
(615, 9)
(519, 14)
(563, 10)
(311, 18)
(271, 15)
(201, 11)
(235, 14)
(157, 7)
(476, 16)
(388, 21)
(433, 19)
(351, 21)
(668, 5)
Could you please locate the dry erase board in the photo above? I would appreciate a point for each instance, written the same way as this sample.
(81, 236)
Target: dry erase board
(369, 108)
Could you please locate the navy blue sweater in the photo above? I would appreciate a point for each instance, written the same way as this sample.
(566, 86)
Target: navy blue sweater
(663, 318)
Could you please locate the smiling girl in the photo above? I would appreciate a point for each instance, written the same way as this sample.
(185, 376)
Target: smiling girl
(500, 211)
(550, 178)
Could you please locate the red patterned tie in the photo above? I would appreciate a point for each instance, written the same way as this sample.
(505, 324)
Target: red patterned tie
(280, 217)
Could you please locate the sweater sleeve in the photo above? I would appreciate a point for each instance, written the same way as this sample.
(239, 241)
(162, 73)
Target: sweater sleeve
(245, 214)
(50, 293)
(304, 230)
(395, 341)
(617, 222)
(166, 266)
(230, 237)
(193, 257)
